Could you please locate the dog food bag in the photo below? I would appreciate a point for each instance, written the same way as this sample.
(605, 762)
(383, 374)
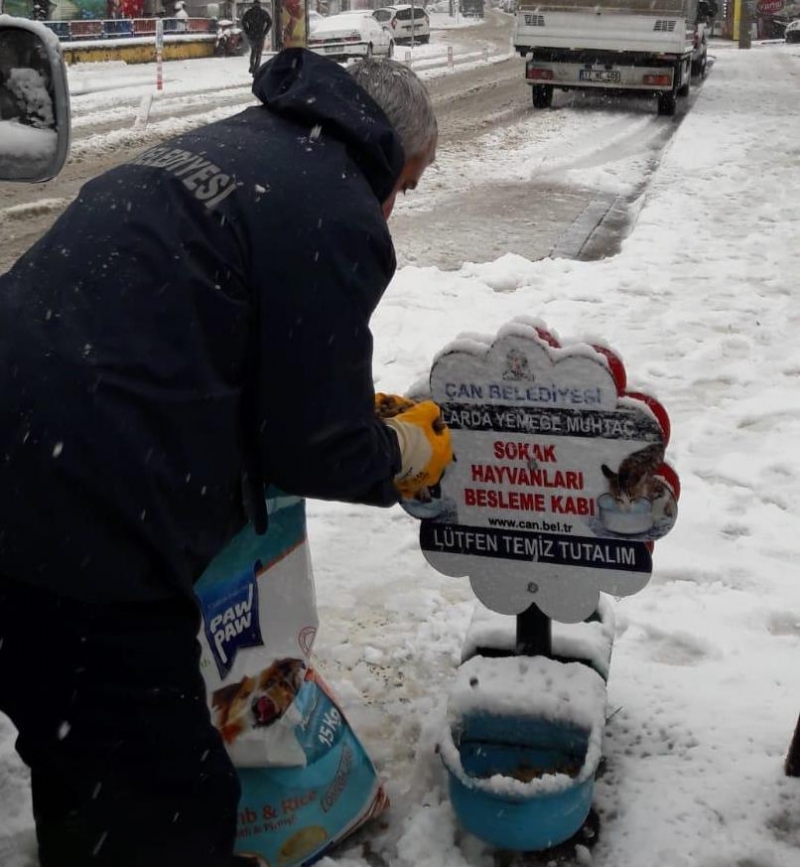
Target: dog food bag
(306, 779)
(293, 815)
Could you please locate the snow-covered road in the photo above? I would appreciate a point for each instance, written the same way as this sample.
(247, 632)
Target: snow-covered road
(508, 178)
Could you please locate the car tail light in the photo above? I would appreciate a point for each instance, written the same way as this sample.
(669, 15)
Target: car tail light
(660, 80)
(536, 74)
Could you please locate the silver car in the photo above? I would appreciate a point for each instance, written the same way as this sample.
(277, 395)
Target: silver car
(351, 35)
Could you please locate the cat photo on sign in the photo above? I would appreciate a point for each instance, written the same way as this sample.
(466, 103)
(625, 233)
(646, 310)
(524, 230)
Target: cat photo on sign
(639, 498)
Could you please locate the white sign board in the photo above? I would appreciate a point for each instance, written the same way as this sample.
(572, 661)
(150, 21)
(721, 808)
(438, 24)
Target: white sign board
(559, 486)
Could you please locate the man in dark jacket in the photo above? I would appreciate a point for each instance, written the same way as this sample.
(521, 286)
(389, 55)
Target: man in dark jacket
(256, 23)
(194, 326)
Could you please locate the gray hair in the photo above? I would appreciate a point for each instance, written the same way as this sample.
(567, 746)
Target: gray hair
(403, 99)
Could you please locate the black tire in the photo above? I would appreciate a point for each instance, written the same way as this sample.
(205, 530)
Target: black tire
(667, 103)
(542, 95)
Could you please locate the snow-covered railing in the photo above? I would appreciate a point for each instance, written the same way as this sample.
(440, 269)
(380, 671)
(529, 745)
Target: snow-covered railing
(126, 28)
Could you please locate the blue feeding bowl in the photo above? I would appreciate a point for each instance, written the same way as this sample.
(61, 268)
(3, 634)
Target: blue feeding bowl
(518, 782)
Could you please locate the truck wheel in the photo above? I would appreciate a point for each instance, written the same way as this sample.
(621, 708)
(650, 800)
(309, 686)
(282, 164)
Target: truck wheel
(542, 95)
(667, 103)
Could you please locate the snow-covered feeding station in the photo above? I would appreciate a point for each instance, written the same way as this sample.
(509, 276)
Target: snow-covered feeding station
(558, 491)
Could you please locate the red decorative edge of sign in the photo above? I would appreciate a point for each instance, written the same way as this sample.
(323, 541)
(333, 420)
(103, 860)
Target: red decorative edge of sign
(658, 411)
(615, 366)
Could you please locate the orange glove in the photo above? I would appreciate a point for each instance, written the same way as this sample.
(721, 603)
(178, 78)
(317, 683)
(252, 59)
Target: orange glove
(425, 446)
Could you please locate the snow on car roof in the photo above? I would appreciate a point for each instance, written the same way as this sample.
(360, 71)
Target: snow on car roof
(342, 19)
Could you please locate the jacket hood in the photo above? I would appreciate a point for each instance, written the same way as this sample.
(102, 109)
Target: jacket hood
(313, 90)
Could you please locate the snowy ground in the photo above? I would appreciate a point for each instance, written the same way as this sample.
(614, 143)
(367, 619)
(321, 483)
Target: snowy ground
(704, 686)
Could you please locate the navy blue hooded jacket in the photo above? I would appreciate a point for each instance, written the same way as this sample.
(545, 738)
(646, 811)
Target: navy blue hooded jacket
(195, 325)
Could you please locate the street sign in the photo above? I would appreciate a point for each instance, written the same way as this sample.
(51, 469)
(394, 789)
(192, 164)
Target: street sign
(768, 7)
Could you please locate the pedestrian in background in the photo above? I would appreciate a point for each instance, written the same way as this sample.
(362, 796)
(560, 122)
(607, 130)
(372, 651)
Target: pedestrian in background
(256, 23)
(182, 15)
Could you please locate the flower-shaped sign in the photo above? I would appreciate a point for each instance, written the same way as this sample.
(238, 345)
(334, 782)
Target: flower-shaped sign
(559, 485)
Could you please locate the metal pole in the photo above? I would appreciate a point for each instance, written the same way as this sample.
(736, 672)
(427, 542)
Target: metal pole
(745, 40)
(413, 22)
(159, 53)
(534, 633)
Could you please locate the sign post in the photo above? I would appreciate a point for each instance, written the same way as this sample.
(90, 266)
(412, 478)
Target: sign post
(534, 633)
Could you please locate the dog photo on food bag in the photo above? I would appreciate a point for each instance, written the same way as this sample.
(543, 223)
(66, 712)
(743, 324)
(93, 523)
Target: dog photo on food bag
(257, 702)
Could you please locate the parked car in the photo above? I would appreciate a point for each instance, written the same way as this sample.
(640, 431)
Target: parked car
(405, 21)
(351, 34)
(314, 18)
(792, 32)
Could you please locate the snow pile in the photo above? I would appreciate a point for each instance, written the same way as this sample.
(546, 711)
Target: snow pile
(571, 696)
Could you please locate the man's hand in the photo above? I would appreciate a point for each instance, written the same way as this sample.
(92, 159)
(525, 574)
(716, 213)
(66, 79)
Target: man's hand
(425, 445)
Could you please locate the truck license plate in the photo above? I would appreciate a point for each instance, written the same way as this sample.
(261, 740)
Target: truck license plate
(604, 75)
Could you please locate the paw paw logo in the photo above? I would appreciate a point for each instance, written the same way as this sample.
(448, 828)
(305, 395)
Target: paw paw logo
(230, 621)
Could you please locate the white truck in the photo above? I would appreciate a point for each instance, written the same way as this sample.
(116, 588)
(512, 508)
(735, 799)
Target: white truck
(650, 47)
